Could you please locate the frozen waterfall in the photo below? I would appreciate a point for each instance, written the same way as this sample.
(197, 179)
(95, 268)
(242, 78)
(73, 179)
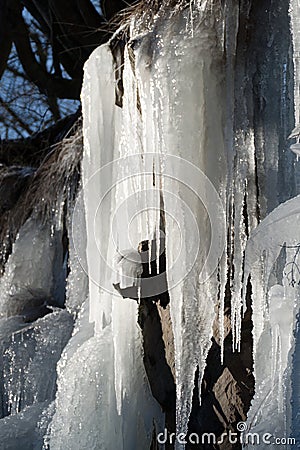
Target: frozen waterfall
(185, 147)
(171, 144)
(165, 145)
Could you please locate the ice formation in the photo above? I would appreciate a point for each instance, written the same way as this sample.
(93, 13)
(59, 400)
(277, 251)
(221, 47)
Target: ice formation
(181, 123)
(31, 348)
(272, 262)
(169, 149)
(175, 106)
(33, 270)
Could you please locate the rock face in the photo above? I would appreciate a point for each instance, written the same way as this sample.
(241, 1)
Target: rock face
(226, 390)
(159, 356)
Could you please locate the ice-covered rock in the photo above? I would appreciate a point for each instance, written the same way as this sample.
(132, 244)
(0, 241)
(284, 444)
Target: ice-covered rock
(34, 272)
(272, 262)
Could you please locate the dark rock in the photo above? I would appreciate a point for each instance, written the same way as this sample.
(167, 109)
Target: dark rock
(32, 314)
(13, 182)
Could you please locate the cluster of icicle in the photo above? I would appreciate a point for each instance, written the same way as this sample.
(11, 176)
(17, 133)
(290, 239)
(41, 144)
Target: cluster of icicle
(170, 125)
(176, 100)
(172, 143)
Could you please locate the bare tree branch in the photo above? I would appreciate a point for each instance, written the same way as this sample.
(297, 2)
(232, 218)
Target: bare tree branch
(111, 8)
(31, 151)
(74, 27)
(42, 44)
(15, 116)
(5, 36)
(47, 83)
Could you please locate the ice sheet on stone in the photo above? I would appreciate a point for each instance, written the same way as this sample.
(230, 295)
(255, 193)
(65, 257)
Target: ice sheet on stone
(295, 22)
(269, 254)
(31, 272)
(28, 365)
(25, 429)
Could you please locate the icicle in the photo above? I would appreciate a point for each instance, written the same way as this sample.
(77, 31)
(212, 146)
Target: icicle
(222, 284)
(295, 22)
